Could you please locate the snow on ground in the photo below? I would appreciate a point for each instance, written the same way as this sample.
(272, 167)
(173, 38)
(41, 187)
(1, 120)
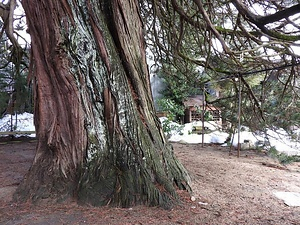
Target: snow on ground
(278, 138)
(289, 198)
(183, 133)
(19, 122)
(283, 142)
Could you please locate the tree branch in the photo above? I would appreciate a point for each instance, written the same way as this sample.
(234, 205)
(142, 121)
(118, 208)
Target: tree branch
(282, 14)
(261, 21)
(212, 27)
(7, 15)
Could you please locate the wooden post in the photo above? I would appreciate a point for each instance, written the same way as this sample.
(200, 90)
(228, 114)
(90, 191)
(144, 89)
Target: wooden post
(203, 114)
(239, 118)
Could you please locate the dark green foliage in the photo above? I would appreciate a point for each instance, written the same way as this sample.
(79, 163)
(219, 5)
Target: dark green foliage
(172, 108)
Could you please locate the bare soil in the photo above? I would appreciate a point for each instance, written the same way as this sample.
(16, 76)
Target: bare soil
(226, 190)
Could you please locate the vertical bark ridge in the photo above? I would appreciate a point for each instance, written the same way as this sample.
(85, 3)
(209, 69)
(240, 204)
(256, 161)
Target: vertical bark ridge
(98, 37)
(58, 112)
(126, 28)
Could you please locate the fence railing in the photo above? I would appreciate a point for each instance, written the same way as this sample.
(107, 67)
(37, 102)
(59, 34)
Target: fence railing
(16, 132)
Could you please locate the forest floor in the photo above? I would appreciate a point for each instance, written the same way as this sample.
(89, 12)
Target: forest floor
(226, 190)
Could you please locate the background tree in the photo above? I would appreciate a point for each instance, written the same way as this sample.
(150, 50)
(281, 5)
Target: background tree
(16, 95)
(5, 75)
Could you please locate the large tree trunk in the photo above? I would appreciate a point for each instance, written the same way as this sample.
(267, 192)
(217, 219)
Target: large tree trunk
(99, 140)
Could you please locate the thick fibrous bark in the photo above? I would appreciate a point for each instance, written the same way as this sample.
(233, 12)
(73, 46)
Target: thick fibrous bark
(98, 137)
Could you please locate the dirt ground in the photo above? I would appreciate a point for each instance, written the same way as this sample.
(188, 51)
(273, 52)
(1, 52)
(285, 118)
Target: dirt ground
(227, 190)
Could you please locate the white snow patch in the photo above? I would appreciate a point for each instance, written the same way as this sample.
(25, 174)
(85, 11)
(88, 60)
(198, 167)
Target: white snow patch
(246, 136)
(21, 122)
(279, 138)
(185, 135)
(289, 198)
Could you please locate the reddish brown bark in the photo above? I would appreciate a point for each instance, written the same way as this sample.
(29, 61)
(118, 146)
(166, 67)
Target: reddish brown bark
(59, 118)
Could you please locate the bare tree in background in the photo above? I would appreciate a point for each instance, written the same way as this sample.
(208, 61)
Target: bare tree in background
(15, 94)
